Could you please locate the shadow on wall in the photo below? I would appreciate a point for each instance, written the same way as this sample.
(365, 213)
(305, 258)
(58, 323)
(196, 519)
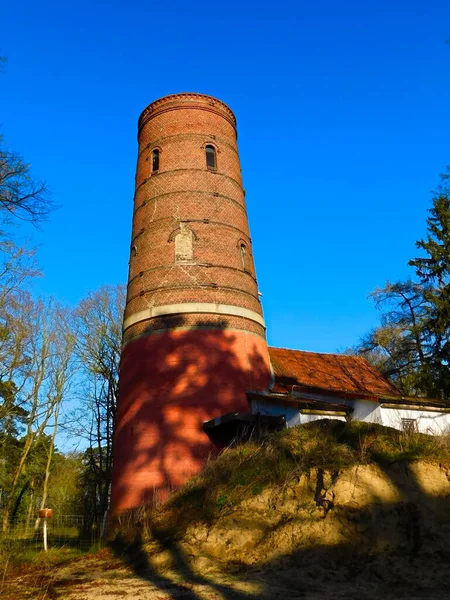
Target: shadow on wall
(389, 548)
(170, 383)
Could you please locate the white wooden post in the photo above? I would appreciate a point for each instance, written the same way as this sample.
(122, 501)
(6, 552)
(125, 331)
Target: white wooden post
(45, 513)
(45, 533)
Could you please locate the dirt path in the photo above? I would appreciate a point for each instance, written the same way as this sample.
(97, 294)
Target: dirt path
(104, 577)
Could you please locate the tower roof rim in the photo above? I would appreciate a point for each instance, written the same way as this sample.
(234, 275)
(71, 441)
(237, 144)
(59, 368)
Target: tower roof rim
(185, 96)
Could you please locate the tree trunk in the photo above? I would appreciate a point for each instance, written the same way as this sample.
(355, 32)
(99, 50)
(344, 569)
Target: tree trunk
(19, 500)
(10, 499)
(30, 504)
(47, 466)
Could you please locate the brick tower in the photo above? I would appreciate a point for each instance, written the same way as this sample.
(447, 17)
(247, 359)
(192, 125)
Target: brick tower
(194, 336)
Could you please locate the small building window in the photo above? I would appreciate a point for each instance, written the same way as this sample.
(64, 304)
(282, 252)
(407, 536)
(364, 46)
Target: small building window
(211, 162)
(155, 161)
(409, 425)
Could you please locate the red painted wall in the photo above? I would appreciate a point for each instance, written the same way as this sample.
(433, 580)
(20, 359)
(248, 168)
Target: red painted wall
(170, 383)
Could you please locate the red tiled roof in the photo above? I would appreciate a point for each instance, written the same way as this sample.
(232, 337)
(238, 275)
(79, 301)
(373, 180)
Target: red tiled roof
(331, 372)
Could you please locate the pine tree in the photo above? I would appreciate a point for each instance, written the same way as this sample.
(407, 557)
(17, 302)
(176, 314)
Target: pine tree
(434, 269)
(412, 344)
(433, 272)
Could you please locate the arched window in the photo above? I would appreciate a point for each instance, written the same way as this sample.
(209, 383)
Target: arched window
(155, 161)
(184, 239)
(211, 162)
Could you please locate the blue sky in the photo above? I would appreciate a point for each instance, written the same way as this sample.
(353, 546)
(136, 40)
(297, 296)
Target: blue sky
(343, 120)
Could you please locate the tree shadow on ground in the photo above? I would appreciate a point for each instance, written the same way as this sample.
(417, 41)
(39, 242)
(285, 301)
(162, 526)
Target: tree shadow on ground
(341, 571)
(396, 549)
(136, 556)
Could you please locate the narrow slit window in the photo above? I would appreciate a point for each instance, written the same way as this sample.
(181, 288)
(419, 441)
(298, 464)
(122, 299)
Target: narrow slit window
(244, 257)
(155, 161)
(211, 157)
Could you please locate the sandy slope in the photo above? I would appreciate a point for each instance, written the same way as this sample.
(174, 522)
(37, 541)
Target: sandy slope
(367, 533)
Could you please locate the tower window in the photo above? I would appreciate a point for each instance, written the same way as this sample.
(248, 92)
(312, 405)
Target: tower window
(211, 162)
(244, 257)
(155, 161)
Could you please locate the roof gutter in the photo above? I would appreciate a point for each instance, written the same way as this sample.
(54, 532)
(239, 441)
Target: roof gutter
(413, 403)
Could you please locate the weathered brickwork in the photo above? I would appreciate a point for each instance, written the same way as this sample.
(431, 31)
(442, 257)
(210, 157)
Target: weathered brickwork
(193, 322)
(190, 258)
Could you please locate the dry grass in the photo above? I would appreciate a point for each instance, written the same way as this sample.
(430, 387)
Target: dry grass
(28, 572)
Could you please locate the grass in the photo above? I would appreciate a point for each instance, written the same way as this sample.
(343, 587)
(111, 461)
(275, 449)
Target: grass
(29, 573)
(17, 553)
(246, 470)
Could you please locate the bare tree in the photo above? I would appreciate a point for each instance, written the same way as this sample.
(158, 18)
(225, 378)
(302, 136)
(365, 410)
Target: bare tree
(15, 339)
(21, 194)
(61, 372)
(99, 338)
(40, 373)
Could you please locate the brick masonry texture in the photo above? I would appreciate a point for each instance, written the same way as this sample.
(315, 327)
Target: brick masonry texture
(190, 243)
(192, 322)
(210, 203)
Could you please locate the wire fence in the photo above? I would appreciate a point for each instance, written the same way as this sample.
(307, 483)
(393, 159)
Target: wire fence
(63, 531)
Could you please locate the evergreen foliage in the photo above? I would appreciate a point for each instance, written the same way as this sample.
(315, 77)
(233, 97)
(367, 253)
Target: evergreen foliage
(412, 343)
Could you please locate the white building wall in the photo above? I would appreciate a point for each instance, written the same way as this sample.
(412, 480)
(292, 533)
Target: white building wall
(365, 410)
(275, 410)
(310, 418)
(432, 423)
(293, 415)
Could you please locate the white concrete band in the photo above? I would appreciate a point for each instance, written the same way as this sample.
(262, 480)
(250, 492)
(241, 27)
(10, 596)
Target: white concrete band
(192, 308)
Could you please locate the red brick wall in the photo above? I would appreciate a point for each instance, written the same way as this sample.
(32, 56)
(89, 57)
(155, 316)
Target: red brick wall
(178, 370)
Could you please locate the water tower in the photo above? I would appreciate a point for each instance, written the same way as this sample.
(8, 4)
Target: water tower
(194, 336)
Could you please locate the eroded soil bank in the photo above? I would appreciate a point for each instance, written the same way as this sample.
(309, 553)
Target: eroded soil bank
(364, 532)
